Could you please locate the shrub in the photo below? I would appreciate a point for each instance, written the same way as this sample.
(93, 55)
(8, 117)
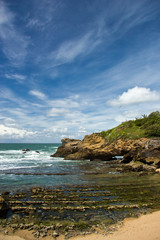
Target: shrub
(153, 130)
(147, 126)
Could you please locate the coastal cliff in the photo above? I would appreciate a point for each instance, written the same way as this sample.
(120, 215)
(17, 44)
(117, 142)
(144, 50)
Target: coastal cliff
(94, 147)
(137, 141)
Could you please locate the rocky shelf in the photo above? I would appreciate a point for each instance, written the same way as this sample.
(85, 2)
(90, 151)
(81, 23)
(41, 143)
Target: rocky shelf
(76, 209)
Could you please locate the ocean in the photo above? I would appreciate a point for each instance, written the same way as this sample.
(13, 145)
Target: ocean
(24, 169)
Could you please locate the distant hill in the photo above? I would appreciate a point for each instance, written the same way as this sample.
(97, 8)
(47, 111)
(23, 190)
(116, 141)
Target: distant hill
(147, 126)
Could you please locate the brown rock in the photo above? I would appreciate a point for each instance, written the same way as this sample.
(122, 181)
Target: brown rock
(94, 146)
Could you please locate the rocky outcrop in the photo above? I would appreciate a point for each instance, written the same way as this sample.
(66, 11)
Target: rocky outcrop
(94, 146)
(3, 207)
(68, 147)
(26, 150)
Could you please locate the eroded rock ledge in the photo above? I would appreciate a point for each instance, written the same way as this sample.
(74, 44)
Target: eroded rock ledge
(93, 147)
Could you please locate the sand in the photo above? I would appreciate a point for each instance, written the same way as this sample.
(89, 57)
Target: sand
(146, 227)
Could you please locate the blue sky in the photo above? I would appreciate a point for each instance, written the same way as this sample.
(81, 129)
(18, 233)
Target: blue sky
(70, 68)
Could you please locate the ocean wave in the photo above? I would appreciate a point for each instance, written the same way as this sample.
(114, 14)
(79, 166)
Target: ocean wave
(14, 167)
(6, 152)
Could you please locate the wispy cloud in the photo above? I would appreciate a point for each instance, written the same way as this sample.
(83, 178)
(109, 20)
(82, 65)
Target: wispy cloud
(18, 77)
(6, 93)
(113, 24)
(66, 102)
(68, 51)
(54, 112)
(38, 94)
(14, 42)
(137, 68)
(43, 14)
(122, 16)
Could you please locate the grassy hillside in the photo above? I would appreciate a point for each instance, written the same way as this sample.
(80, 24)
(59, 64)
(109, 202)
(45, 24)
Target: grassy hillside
(147, 126)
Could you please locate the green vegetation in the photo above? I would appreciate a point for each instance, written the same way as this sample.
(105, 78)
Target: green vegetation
(147, 126)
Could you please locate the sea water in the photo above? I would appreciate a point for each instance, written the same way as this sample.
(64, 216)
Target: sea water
(19, 168)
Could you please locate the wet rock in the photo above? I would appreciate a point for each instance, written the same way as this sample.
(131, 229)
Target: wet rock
(59, 225)
(158, 170)
(43, 234)
(55, 234)
(142, 174)
(6, 232)
(137, 166)
(36, 190)
(36, 234)
(37, 151)
(35, 227)
(5, 193)
(15, 226)
(3, 206)
(26, 150)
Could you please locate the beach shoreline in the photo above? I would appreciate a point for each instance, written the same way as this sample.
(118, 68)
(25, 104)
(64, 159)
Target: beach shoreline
(145, 227)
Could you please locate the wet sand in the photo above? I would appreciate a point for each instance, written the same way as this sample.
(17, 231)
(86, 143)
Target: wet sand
(145, 227)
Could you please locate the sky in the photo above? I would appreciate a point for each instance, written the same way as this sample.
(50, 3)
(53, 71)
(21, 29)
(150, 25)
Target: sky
(70, 68)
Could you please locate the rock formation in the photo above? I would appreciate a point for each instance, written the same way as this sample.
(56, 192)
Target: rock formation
(94, 146)
(3, 206)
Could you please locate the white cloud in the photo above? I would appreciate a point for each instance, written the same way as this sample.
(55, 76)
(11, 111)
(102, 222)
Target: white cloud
(135, 95)
(54, 112)
(14, 132)
(81, 130)
(63, 103)
(8, 122)
(38, 94)
(59, 130)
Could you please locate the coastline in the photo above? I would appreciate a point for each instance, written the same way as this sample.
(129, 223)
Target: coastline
(109, 192)
(146, 227)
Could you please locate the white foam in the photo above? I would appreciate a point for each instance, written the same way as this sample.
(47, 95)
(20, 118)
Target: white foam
(2, 168)
(17, 159)
(11, 152)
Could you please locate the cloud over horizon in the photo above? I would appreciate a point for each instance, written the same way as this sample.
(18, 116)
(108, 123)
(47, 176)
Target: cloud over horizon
(14, 133)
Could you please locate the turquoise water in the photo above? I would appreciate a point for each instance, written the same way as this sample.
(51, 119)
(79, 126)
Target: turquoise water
(20, 169)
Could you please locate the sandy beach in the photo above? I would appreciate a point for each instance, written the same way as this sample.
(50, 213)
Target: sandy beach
(145, 227)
